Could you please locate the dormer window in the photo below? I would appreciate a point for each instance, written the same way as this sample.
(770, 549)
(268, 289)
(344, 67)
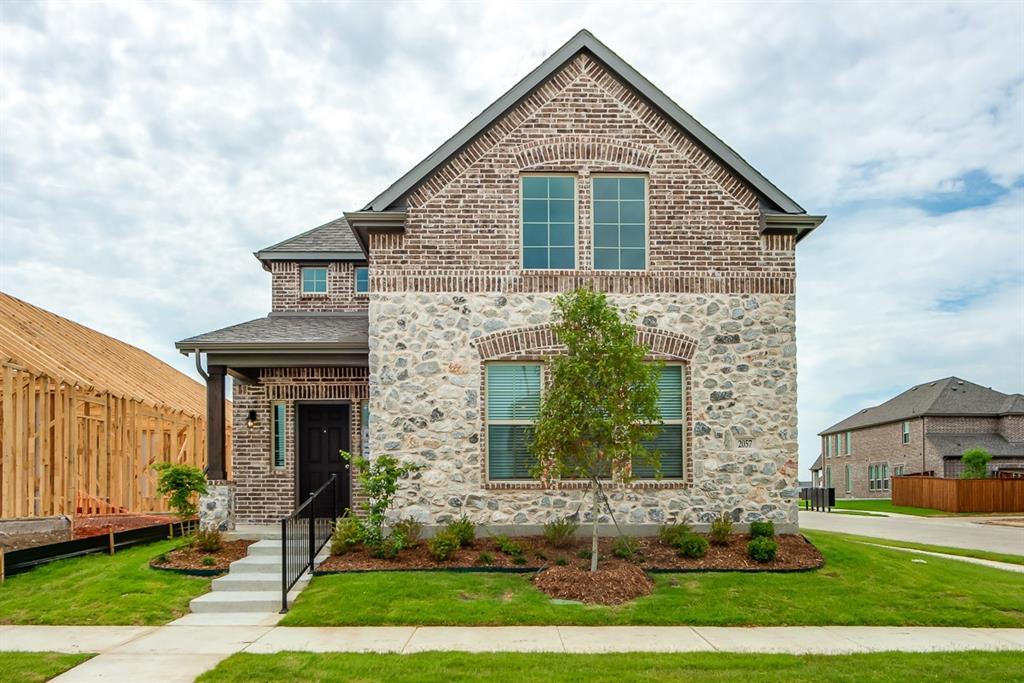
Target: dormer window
(314, 280)
(362, 280)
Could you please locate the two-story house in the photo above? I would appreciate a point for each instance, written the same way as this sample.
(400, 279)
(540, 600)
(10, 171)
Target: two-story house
(925, 429)
(419, 325)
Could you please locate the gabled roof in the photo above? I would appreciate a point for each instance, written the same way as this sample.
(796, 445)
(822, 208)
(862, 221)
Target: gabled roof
(332, 241)
(954, 445)
(949, 396)
(308, 331)
(585, 41)
(47, 344)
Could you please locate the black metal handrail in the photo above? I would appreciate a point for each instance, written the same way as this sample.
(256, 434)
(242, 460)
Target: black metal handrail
(304, 533)
(818, 498)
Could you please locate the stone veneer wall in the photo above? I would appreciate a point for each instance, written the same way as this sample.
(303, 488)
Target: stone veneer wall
(265, 493)
(425, 406)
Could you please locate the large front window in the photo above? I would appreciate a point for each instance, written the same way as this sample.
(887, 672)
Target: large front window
(620, 223)
(513, 398)
(669, 442)
(549, 222)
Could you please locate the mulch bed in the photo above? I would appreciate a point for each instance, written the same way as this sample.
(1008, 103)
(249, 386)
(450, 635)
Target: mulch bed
(97, 525)
(795, 553)
(612, 584)
(192, 558)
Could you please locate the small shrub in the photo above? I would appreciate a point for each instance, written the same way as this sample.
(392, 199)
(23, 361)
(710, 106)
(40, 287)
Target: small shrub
(539, 555)
(485, 558)
(673, 534)
(518, 559)
(693, 546)
(508, 546)
(561, 562)
(975, 462)
(164, 558)
(409, 529)
(444, 545)
(208, 561)
(762, 529)
(348, 533)
(463, 529)
(389, 548)
(762, 549)
(586, 554)
(209, 540)
(721, 528)
(181, 484)
(560, 533)
(625, 547)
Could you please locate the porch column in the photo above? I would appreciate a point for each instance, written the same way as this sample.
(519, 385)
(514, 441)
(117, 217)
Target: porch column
(215, 423)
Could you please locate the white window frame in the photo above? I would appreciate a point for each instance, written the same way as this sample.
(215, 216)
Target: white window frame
(885, 476)
(681, 422)
(906, 432)
(302, 280)
(575, 220)
(849, 443)
(848, 474)
(647, 222)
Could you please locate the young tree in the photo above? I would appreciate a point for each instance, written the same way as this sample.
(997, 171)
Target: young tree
(975, 462)
(600, 402)
(181, 484)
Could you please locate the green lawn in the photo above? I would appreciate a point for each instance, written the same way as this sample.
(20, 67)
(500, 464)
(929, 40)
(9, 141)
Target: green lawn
(100, 589)
(941, 667)
(33, 667)
(963, 552)
(860, 585)
(887, 506)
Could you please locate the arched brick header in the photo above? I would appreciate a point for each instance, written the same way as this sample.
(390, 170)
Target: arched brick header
(576, 148)
(539, 340)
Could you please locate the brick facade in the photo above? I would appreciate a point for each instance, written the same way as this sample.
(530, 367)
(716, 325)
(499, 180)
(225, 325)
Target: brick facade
(266, 493)
(341, 296)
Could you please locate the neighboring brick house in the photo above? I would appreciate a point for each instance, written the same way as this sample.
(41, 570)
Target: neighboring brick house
(925, 429)
(418, 326)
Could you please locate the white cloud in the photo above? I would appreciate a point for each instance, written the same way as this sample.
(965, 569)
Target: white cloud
(146, 149)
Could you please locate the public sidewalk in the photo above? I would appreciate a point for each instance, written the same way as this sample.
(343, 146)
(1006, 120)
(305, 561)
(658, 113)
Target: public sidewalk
(186, 648)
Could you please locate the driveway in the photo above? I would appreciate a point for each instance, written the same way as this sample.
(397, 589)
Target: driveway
(956, 532)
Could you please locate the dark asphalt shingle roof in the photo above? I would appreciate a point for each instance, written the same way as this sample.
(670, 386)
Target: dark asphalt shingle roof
(949, 396)
(333, 236)
(954, 445)
(816, 465)
(341, 330)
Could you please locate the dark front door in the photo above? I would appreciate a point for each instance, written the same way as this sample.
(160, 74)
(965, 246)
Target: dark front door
(323, 434)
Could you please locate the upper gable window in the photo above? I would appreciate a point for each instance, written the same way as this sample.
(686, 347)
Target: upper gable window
(362, 280)
(620, 222)
(549, 222)
(314, 280)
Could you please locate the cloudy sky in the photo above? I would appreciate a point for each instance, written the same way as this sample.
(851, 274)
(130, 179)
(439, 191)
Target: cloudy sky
(147, 149)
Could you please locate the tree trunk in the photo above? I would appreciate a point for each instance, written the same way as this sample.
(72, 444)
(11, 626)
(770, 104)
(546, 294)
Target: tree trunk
(593, 538)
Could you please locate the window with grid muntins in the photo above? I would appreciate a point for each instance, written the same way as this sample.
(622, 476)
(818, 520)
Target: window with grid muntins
(620, 223)
(669, 443)
(513, 398)
(314, 280)
(549, 222)
(278, 419)
(362, 280)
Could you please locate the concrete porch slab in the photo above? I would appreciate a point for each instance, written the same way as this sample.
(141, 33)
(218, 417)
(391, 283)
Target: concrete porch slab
(632, 639)
(485, 639)
(69, 639)
(122, 668)
(334, 639)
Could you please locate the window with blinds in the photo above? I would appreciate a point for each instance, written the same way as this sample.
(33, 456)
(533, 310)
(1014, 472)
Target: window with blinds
(278, 417)
(513, 399)
(669, 442)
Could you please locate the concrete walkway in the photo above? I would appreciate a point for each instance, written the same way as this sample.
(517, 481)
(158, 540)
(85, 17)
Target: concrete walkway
(956, 532)
(1004, 566)
(184, 649)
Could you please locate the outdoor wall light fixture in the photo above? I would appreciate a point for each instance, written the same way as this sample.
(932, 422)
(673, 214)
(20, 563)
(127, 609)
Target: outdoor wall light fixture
(250, 420)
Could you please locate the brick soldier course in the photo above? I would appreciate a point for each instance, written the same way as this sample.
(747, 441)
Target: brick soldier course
(449, 295)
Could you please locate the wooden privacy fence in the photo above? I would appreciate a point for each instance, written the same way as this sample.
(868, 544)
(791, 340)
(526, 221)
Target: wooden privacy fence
(68, 449)
(959, 495)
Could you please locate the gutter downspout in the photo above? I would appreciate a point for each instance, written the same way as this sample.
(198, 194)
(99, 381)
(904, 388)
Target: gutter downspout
(199, 367)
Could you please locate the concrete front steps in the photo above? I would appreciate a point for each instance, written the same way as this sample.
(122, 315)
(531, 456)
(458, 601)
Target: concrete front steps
(252, 584)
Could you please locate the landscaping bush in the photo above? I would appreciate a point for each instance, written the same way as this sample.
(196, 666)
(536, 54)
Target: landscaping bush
(444, 545)
(975, 462)
(209, 540)
(208, 561)
(625, 547)
(762, 529)
(560, 533)
(348, 533)
(508, 546)
(389, 548)
(762, 549)
(485, 558)
(721, 528)
(181, 484)
(463, 529)
(409, 529)
(673, 534)
(693, 546)
(378, 479)
(561, 562)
